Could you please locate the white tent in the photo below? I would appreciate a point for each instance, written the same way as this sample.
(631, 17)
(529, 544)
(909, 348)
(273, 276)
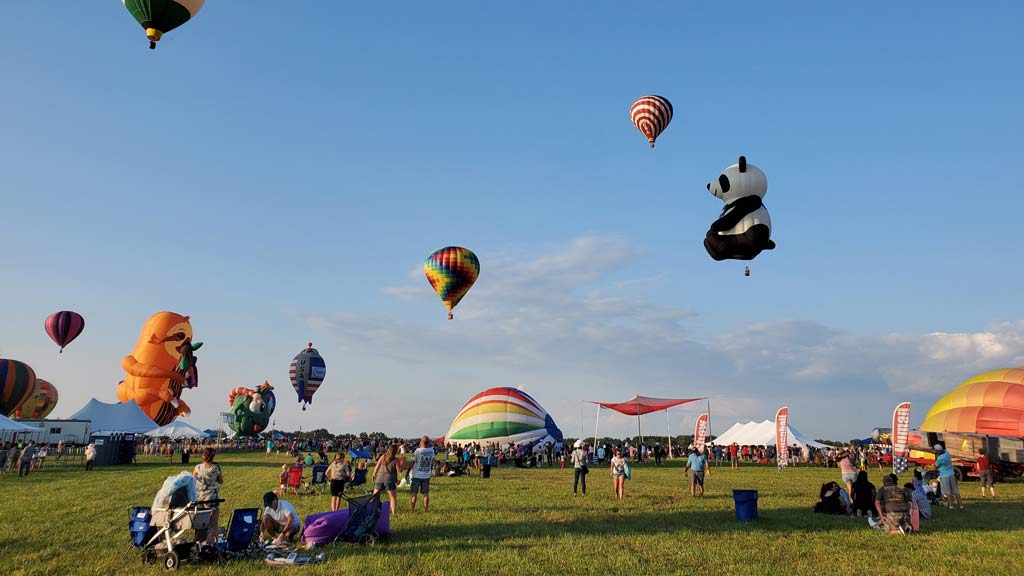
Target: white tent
(176, 429)
(761, 434)
(8, 425)
(124, 417)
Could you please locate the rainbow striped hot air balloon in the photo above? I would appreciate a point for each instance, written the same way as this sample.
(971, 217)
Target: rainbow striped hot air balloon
(160, 16)
(452, 271)
(40, 402)
(989, 403)
(651, 115)
(503, 415)
(17, 381)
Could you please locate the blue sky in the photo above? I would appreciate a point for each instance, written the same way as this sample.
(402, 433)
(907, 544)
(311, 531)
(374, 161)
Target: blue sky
(279, 174)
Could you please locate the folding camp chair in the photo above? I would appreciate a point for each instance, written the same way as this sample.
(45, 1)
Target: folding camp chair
(294, 479)
(245, 523)
(358, 479)
(318, 483)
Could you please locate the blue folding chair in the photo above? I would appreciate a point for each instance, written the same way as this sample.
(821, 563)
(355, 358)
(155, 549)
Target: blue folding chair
(318, 482)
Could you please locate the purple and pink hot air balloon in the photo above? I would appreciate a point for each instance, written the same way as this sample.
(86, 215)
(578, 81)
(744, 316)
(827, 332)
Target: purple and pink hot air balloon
(64, 326)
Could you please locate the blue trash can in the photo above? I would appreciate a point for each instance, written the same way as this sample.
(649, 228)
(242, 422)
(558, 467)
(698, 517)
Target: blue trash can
(746, 505)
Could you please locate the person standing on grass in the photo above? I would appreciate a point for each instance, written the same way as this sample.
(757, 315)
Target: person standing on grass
(579, 466)
(847, 470)
(696, 466)
(422, 466)
(27, 454)
(208, 476)
(947, 477)
(337, 485)
(984, 467)
(734, 455)
(90, 456)
(618, 472)
(385, 475)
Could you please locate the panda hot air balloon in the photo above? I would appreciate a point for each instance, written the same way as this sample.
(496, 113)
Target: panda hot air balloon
(307, 373)
(64, 326)
(161, 16)
(451, 271)
(651, 115)
(743, 229)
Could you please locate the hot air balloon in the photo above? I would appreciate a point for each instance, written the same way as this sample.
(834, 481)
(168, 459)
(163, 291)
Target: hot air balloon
(161, 16)
(252, 408)
(989, 403)
(307, 373)
(40, 402)
(651, 115)
(64, 326)
(452, 272)
(160, 366)
(503, 415)
(17, 381)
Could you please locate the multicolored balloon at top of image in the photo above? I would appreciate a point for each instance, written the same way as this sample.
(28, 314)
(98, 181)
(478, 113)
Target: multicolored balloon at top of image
(17, 382)
(64, 326)
(452, 271)
(651, 115)
(989, 403)
(503, 415)
(307, 373)
(40, 403)
(158, 17)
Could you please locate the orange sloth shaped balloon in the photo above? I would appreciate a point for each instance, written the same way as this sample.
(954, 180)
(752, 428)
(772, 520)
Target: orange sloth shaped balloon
(160, 366)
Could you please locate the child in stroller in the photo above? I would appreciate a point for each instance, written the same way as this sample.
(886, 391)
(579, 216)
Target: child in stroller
(174, 511)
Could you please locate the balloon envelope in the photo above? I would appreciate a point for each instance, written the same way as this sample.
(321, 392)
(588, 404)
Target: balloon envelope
(17, 381)
(307, 373)
(503, 415)
(451, 271)
(989, 403)
(651, 115)
(64, 326)
(40, 402)
(160, 16)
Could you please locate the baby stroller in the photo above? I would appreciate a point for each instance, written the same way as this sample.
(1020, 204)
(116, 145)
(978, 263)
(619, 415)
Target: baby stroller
(363, 513)
(159, 530)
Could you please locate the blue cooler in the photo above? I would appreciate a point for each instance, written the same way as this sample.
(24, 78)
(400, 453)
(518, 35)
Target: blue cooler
(746, 505)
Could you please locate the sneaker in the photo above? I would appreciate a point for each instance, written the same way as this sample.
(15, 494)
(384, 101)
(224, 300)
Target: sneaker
(902, 531)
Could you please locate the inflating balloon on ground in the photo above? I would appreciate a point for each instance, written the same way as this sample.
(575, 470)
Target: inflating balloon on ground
(17, 382)
(503, 415)
(40, 402)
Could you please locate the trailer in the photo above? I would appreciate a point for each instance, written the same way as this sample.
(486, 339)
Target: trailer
(56, 431)
(1005, 453)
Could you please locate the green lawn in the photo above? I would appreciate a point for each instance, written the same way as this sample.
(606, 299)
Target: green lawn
(70, 522)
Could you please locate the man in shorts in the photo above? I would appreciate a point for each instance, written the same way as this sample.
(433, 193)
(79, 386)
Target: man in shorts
(947, 477)
(422, 466)
(696, 465)
(280, 520)
(985, 473)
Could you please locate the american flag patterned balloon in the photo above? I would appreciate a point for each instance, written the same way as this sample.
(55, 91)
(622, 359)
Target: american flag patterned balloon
(307, 373)
(452, 272)
(651, 115)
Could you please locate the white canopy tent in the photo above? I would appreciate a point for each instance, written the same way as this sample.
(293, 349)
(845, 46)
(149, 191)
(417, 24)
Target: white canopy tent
(8, 425)
(176, 429)
(761, 434)
(123, 417)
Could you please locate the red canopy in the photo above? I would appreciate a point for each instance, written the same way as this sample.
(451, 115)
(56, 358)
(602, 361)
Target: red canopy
(644, 404)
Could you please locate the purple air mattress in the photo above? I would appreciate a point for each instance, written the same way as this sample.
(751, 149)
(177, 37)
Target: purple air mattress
(326, 526)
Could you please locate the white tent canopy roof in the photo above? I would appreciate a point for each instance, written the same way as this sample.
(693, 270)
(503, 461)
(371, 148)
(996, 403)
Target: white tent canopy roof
(176, 429)
(8, 425)
(761, 434)
(124, 417)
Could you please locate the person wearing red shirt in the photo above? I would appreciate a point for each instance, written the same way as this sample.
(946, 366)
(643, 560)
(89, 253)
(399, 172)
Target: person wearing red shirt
(984, 468)
(734, 455)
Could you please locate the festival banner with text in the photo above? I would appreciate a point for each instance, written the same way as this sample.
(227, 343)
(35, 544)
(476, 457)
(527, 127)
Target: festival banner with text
(700, 432)
(782, 436)
(900, 433)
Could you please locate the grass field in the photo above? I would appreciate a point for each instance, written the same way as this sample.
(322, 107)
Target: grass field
(70, 522)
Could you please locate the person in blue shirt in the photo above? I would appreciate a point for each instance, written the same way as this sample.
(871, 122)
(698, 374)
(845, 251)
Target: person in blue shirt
(947, 477)
(696, 465)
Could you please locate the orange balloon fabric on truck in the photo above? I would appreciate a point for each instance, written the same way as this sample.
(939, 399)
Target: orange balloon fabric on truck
(989, 403)
(159, 367)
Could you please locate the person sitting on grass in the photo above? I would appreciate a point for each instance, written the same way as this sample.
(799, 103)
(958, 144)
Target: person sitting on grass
(918, 500)
(893, 507)
(863, 495)
(829, 501)
(280, 520)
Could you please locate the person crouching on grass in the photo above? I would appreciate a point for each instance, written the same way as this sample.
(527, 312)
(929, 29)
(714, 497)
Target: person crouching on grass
(280, 520)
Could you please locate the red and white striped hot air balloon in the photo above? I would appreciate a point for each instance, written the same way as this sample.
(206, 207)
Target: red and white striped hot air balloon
(651, 115)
